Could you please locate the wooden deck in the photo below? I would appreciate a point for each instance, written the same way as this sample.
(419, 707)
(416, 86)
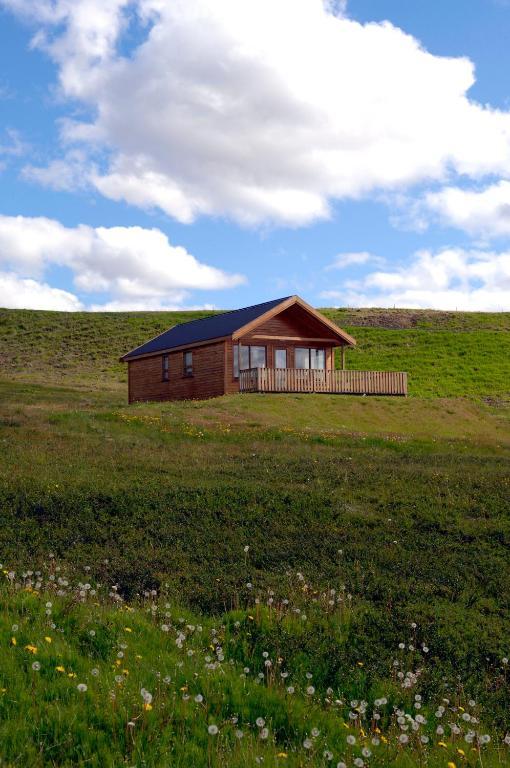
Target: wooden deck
(332, 381)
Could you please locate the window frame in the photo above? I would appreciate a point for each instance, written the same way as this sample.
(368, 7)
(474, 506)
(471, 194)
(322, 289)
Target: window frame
(236, 358)
(310, 350)
(165, 368)
(187, 368)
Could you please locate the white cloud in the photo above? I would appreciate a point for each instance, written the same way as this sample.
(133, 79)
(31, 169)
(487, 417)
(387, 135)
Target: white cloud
(135, 267)
(19, 293)
(344, 260)
(450, 279)
(484, 212)
(261, 110)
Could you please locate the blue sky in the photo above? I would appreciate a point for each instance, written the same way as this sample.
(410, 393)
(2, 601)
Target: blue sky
(183, 154)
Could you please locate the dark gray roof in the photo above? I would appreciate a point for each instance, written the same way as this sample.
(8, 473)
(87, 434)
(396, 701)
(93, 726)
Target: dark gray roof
(213, 327)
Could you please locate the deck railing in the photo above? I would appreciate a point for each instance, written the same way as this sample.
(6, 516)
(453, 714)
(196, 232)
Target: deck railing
(333, 382)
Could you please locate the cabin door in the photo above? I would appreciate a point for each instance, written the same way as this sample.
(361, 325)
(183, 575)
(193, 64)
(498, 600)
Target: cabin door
(280, 363)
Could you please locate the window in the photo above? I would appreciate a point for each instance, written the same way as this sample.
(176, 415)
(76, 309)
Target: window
(302, 357)
(188, 363)
(280, 358)
(165, 370)
(248, 357)
(318, 359)
(306, 357)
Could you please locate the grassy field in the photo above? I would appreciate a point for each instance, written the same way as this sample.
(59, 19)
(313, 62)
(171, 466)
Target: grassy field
(401, 506)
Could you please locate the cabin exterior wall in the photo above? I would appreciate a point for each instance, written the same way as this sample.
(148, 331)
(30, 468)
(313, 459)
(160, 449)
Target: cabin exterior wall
(145, 375)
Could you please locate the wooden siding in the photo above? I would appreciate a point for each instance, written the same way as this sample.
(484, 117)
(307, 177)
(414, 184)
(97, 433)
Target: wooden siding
(293, 322)
(333, 382)
(208, 380)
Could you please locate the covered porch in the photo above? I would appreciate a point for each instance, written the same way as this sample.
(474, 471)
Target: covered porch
(326, 381)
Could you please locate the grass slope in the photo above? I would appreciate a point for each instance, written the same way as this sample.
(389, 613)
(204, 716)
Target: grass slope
(87, 681)
(401, 503)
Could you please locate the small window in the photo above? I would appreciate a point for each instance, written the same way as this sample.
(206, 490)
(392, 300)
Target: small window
(280, 358)
(188, 363)
(165, 370)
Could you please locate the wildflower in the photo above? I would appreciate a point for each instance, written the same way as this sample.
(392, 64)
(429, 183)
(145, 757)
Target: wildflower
(315, 732)
(127, 629)
(71, 674)
(13, 641)
(264, 733)
(307, 744)
(351, 740)
(403, 738)
(451, 765)
(310, 690)
(48, 639)
(212, 730)
(290, 689)
(31, 649)
(239, 734)
(485, 739)
(94, 672)
(14, 628)
(260, 722)
(147, 706)
(60, 669)
(81, 687)
(199, 698)
(341, 764)
(36, 666)
(327, 754)
(283, 755)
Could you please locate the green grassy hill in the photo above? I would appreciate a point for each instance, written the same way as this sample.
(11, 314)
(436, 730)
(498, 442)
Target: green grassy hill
(401, 506)
(445, 353)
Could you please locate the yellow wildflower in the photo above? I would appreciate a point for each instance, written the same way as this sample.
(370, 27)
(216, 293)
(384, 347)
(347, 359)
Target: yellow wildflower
(138, 656)
(282, 754)
(384, 739)
(60, 669)
(360, 664)
(127, 629)
(147, 706)
(117, 662)
(13, 641)
(125, 671)
(461, 752)
(71, 674)
(451, 765)
(48, 639)
(31, 648)
(442, 744)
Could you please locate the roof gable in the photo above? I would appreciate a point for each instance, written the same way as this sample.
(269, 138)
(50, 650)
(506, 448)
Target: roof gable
(235, 324)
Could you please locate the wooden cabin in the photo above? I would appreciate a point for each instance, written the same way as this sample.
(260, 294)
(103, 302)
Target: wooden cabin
(283, 345)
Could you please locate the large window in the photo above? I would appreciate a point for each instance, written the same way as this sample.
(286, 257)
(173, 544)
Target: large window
(248, 357)
(165, 370)
(187, 360)
(306, 357)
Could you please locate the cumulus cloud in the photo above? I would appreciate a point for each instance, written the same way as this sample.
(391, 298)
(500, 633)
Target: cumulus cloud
(19, 293)
(484, 212)
(356, 258)
(135, 267)
(449, 279)
(260, 110)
